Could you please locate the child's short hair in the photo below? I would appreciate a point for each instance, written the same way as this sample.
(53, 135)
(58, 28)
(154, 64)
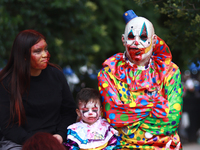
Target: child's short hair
(86, 94)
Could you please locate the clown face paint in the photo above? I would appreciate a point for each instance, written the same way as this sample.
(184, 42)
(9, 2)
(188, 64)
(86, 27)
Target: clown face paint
(139, 39)
(89, 112)
(39, 57)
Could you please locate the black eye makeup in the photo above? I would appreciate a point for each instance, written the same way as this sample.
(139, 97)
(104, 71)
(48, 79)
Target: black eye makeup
(143, 37)
(95, 110)
(131, 36)
(84, 111)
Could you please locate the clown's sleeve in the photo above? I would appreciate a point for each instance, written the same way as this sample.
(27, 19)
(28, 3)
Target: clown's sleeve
(173, 93)
(119, 113)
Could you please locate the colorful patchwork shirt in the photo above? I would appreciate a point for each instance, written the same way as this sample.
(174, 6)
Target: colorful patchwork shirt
(144, 103)
(99, 136)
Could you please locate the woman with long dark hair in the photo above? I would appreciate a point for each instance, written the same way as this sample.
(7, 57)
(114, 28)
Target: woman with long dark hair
(34, 94)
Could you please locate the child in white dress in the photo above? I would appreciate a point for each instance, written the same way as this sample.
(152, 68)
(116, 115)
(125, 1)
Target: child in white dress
(92, 131)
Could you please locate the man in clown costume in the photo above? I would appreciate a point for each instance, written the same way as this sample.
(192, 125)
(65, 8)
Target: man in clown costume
(141, 89)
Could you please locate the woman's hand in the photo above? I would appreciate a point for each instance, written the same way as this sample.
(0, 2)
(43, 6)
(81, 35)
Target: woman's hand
(58, 137)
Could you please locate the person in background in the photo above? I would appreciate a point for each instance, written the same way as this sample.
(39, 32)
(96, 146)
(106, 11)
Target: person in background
(141, 89)
(34, 94)
(42, 141)
(92, 131)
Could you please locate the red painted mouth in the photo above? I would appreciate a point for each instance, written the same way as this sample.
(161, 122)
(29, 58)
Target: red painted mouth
(136, 53)
(45, 61)
(91, 119)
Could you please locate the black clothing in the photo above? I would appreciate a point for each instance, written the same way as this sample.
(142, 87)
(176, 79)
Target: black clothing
(49, 107)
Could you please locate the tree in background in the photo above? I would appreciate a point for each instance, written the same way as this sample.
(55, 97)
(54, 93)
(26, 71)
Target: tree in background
(79, 32)
(69, 27)
(183, 20)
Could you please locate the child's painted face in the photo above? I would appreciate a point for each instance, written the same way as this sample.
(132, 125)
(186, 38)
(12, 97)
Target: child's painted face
(89, 112)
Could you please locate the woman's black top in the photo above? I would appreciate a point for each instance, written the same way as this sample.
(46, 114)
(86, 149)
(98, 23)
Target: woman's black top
(49, 107)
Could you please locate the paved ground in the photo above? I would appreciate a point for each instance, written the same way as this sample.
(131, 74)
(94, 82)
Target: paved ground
(191, 146)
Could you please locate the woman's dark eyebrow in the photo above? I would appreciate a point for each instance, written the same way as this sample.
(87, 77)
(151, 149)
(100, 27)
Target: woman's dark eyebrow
(41, 48)
(38, 49)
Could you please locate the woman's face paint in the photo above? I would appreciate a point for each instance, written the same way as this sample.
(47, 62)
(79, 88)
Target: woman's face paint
(39, 57)
(90, 112)
(138, 39)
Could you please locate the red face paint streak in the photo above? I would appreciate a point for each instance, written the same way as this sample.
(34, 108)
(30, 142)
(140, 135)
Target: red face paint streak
(95, 108)
(48, 56)
(37, 64)
(84, 108)
(34, 59)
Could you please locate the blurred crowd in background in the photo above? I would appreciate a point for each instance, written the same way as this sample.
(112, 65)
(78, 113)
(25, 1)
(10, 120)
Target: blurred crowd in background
(189, 129)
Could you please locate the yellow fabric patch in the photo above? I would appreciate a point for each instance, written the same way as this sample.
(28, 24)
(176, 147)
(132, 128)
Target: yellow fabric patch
(177, 106)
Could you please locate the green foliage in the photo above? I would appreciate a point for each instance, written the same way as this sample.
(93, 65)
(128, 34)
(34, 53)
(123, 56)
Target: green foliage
(69, 27)
(78, 32)
(182, 19)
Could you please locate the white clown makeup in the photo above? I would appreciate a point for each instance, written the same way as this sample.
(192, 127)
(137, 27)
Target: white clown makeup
(139, 39)
(89, 112)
